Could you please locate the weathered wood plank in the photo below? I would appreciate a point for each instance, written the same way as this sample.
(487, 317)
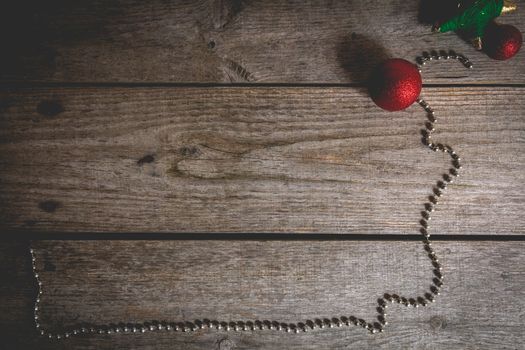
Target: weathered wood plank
(227, 41)
(256, 160)
(105, 281)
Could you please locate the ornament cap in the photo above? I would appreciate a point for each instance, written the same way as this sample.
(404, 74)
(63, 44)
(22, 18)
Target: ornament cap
(508, 6)
(477, 43)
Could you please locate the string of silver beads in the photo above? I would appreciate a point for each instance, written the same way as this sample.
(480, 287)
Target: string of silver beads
(309, 324)
(442, 55)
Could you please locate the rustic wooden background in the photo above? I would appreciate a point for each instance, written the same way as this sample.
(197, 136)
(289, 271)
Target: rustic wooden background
(251, 117)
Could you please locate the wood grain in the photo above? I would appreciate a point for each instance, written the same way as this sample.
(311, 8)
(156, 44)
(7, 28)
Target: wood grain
(125, 150)
(105, 281)
(229, 41)
(256, 160)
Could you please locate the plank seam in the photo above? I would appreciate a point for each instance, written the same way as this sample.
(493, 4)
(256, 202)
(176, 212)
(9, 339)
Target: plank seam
(131, 85)
(207, 236)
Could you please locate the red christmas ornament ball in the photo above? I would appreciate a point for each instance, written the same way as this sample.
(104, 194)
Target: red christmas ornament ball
(395, 84)
(502, 41)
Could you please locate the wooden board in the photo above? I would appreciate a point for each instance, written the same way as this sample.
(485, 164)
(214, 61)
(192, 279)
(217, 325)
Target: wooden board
(103, 281)
(250, 116)
(230, 41)
(310, 159)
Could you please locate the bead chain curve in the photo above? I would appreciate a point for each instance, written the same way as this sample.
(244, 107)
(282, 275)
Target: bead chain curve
(309, 324)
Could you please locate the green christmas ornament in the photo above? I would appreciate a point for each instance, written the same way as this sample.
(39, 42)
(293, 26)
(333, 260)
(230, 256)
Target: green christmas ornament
(473, 17)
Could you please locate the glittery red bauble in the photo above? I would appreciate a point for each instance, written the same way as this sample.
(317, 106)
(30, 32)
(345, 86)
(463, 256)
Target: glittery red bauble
(502, 41)
(395, 84)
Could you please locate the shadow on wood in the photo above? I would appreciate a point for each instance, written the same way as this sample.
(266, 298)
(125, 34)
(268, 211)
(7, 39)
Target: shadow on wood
(358, 55)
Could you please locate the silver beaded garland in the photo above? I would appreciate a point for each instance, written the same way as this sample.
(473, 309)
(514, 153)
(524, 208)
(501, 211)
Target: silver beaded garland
(309, 324)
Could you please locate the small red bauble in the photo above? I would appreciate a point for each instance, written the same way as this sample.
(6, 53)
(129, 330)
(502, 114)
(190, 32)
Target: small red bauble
(502, 41)
(395, 84)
